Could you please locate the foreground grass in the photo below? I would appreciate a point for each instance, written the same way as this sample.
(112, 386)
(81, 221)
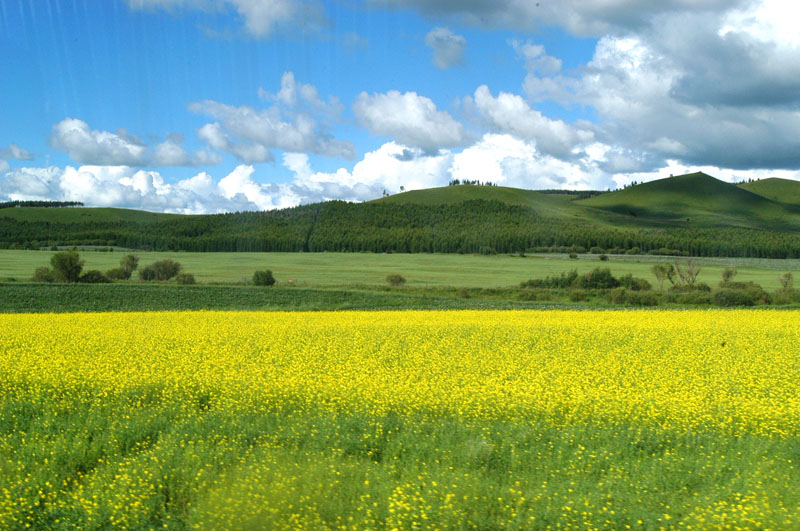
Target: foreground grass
(316, 270)
(403, 420)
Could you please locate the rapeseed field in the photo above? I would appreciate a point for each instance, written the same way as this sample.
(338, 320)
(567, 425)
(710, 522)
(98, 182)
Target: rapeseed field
(400, 420)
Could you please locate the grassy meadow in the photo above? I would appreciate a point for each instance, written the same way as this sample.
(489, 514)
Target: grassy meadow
(400, 420)
(326, 270)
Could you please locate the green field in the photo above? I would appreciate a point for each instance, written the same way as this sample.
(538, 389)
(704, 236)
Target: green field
(326, 270)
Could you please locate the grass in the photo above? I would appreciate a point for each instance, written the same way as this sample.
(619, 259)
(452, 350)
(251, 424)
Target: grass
(784, 191)
(76, 215)
(344, 270)
(696, 200)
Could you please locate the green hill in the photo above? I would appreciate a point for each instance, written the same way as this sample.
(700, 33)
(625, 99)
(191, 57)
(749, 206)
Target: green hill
(786, 191)
(547, 205)
(689, 214)
(697, 200)
(83, 214)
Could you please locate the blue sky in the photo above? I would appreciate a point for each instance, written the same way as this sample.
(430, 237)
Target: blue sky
(215, 105)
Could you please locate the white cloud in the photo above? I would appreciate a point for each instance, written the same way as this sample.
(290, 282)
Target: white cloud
(448, 48)
(3, 166)
(296, 123)
(97, 147)
(509, 113)
(411, 119)
(13, 151)
(580, 17)
(103, 148)
(262, 18)
(171, 153)
(536, 58)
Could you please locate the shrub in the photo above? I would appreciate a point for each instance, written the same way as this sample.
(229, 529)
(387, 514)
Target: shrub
(263, 278)
(185, 278)
(565, 280)
(395, 280)
(641, 298)
(573, 256)
(129, 263)
(786, 280)
(578, 295)
(633, 283)
(689, 297)
(166, 269)
(43, 274)
(118, 273)
(597, 250)
(147, 273)
(604, 257)
(93, 276)
(67, 266)
(786, 296)
(686, 288)
(734, 297)
(598, 278)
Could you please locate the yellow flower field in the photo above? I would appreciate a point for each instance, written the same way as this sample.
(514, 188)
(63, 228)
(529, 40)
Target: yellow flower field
(171, 406)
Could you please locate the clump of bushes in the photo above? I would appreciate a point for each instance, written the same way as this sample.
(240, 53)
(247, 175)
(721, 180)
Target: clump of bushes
(162, 270)
(263, 278)
(93, 276)
(127, 266)
(395, 279)
(185, 279)
(65, 266)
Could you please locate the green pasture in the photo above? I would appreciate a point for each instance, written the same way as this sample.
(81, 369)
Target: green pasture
(325, 270)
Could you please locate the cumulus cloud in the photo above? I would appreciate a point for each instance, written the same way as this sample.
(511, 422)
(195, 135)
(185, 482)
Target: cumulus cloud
(89, 146)
(13, 151)
(718, 87)
(297, 122)
(448, 48)
(409, 118)
(103, 148)
(262, 18)
(510, 113)
(580, 17)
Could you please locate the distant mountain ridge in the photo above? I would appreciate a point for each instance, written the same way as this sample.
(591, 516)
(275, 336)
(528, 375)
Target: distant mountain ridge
(687, 214)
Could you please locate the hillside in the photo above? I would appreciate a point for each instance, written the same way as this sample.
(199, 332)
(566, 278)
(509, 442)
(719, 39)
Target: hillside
(82, 214)
(698, 200)
(784, 191)
(689, 214)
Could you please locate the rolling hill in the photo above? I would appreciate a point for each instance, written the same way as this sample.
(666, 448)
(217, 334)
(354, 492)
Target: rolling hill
(82, 214)
(688, 214)
(784, 191)
(698, 200)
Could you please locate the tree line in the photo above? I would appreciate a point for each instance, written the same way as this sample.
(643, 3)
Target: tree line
(475, 226)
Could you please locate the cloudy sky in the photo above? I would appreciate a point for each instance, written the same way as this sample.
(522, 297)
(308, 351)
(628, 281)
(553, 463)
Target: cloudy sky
(219, 105)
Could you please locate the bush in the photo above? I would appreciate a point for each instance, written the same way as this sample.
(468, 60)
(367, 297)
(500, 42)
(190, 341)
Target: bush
(604, 257)
(734, 297)
(635, 298)
(43, 274)
(129, 263)
(147, 273)
(93, 276)
(598, 278)
(597, 250)
(67, 266)
(565, 280)
(786, 296)
(573, 256)
(166, 269)
(633, 283)
(185, 278)
(395, 280)
(578, 295)
(687, 288)
(118, 273)
(263, 278)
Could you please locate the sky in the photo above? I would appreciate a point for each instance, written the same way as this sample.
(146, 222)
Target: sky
(202, 106)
